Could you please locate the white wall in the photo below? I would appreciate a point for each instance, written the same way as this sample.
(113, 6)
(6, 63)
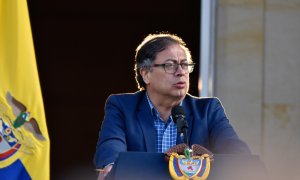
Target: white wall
(258, 78)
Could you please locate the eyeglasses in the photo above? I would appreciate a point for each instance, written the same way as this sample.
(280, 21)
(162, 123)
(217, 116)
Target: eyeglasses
(173, 67)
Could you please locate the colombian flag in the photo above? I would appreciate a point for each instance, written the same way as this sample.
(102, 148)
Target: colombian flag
(24, 141)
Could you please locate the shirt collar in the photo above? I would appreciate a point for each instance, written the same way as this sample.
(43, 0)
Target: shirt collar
(153, 110)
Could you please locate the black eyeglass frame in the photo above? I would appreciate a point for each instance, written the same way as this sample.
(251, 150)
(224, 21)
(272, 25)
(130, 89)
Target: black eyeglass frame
(173, 67)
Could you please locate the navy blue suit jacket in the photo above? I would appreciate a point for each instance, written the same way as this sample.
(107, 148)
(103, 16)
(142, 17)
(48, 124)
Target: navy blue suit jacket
(128, 126)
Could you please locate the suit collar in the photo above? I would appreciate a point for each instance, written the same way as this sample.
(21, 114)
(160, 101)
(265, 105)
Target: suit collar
(189, 116)
(145, 119)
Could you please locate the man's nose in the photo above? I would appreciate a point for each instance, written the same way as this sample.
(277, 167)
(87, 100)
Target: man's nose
(179, 70)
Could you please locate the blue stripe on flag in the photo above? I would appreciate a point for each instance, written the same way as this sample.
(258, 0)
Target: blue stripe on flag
(15, 171)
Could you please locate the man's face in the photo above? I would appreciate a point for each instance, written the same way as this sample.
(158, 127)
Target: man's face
(162, 83)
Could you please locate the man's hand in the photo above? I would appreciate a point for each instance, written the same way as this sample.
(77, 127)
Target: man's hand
(103, 172)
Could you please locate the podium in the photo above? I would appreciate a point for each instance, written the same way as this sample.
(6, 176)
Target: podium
(149, 166)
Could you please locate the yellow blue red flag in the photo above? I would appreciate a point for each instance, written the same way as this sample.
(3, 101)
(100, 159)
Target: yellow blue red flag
(24, 140)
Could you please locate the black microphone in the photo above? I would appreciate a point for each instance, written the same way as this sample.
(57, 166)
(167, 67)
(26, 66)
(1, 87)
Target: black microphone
(178, 116)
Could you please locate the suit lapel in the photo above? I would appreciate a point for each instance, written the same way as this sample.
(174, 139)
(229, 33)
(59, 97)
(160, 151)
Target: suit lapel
(145, 120)
(189, 117)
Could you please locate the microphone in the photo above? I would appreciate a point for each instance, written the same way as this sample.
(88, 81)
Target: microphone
(178, 116)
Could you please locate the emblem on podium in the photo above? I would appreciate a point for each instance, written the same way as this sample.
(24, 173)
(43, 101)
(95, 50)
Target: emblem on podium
(186, 163)
(195, 167)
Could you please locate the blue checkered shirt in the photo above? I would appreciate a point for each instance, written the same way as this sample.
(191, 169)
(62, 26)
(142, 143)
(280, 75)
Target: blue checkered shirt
(166, 132)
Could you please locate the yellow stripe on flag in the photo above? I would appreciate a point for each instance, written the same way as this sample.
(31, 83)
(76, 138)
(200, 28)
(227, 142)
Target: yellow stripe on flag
(23, 129)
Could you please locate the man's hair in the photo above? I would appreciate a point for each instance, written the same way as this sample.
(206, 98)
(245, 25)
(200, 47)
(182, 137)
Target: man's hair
(148, 49)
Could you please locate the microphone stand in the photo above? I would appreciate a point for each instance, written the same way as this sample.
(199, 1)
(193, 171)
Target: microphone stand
(184, 131)
(188, 152)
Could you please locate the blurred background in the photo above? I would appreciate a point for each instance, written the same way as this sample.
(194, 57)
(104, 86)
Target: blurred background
(85, 52)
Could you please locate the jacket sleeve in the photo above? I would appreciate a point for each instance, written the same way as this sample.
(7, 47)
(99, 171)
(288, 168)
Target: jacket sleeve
(112, 134)
(223, 138)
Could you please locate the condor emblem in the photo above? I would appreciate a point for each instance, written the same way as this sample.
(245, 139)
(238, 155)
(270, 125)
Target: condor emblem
(13, 117)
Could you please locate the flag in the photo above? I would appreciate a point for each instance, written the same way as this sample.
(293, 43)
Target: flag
(24, 140)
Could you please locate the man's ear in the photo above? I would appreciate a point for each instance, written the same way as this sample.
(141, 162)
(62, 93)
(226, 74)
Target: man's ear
(145, 74)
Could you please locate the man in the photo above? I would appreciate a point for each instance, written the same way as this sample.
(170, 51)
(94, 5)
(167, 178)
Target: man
(142, 121)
